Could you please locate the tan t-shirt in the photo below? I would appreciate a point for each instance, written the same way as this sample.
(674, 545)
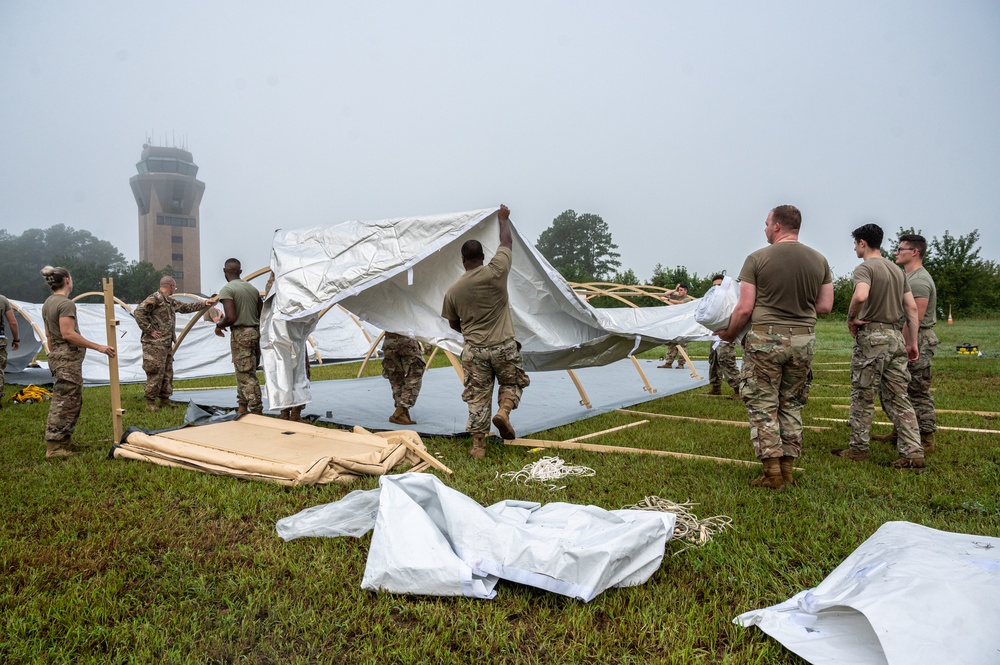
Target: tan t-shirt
(922, 285)
(887, 284)
(4, 308)
(479, 300)
(55, 307)
(245, 297)
(788, 277)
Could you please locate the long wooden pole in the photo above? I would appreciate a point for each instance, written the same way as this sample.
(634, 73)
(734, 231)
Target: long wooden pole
(112, 323)
(985, 414)
(608, 431)
(953, 429)
(595, 448)
(737, 423)
(369, 354)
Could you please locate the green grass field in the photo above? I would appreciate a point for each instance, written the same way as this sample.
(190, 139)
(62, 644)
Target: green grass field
(115, 561)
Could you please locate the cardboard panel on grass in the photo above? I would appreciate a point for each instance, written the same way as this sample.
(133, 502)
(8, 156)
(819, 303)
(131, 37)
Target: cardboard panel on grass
(280, 451)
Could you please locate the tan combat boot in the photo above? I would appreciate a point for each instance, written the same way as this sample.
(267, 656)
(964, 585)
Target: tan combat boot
(908, 463)
(54, 449)
(927, 441)
(151, 405)
(502, 420)
(891, 437)
(715, 391)
(165, 403)
(399, 416)
(286, 414)
(296, 414)
(852, 455)
(786, 469)
(241, 409)
(772, 475)
(478, 450)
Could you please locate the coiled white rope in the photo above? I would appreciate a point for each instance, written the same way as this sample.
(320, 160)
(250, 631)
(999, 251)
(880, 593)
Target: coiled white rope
(545, 470)
(687, 528)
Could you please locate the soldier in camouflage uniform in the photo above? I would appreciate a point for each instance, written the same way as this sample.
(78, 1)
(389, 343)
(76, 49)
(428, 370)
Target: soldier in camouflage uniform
(242, 304)
(8, 325)
(403, 364)
(910, 257)
(678, 297)
(477, 306)
(157, 318)
(881, 297)
(67, 348)
(783, 287)
(722, 363)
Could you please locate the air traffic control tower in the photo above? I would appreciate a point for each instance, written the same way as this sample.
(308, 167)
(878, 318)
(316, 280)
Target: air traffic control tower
(168, 195)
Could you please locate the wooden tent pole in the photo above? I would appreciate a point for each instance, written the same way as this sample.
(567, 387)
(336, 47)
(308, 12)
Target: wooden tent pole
(596, 448)
(370, 352)
(645, 381)
(985, 414)
(606, 431)
(456, 363)
(116, 395)
(687, 359)
(953, 429)
(584, 400)
(737, 423)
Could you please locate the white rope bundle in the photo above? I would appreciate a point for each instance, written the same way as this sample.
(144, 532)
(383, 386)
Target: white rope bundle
(546, 470)
(688, 528)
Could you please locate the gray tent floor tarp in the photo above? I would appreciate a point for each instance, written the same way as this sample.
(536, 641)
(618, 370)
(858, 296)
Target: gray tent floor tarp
(550, 401)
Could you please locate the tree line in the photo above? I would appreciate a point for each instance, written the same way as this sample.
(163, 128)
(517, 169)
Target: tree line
(88, 258)
(581, 248)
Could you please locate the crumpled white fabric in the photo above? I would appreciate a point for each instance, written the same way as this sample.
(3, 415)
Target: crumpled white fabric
(717, 305)
(908, 595)
(433, 540)
(393, 274)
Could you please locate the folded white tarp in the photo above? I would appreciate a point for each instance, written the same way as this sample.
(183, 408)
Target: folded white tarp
(430, 539)
(908, 595)
(394, 274)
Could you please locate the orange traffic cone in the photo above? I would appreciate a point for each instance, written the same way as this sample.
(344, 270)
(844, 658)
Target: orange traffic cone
(949, 316)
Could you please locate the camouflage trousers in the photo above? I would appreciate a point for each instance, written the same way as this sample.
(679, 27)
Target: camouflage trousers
(672, 353)
(484, 364)
(158, 364)
(722, 365)
(774, 385)
(245, 345)
(66, 365)
(403, 364)
(3, 363)
(879, 363)
(919, 387)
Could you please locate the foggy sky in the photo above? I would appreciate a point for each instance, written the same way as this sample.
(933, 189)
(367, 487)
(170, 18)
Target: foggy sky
(681, 124)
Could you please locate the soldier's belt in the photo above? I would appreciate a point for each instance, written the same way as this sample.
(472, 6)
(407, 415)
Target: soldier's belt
(879, 326)
(781, 330)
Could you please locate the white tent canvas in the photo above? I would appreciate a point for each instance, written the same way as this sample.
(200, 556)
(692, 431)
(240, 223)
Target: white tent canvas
(394, 274)
(908, 595)
(201, 354)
